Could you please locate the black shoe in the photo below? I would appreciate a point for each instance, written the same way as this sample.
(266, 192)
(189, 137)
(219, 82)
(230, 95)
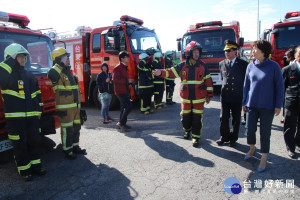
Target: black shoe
(292, 155)
(232, 143)
(79, 150)
(220, 142)
(195, 142)
(27, 178)
(186, 135)
(70, 156)
(39, 172)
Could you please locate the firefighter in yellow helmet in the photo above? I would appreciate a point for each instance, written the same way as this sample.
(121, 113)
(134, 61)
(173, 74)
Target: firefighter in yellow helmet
(67, 98)
(23, 107)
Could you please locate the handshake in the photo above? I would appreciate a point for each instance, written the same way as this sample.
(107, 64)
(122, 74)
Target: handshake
(157, 72)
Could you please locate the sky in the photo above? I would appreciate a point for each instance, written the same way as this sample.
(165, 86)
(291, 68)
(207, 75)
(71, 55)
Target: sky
(169, 18)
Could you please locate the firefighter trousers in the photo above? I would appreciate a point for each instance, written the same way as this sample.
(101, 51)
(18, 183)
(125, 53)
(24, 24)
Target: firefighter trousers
(145, 98)
(69, 120)
(26, 140)
(158, 94)
(192, 116)
(170, 84)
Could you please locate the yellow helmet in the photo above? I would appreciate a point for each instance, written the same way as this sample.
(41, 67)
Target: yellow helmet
(13, 50)
(58, 52)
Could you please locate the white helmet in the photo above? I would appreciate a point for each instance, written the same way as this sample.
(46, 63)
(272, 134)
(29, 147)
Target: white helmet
(169, 53)
(157, 55)
(143, 56)
(13, 50)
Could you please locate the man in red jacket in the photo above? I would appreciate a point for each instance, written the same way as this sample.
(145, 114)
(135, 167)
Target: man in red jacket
(195, 89)
(121, 87)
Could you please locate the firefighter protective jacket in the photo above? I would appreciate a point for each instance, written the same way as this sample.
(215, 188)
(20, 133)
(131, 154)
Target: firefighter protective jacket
(291, 77)
(168, 64)
(65, 87)
(196, 83)
(145, 75)
(20, 91)
(157, 65)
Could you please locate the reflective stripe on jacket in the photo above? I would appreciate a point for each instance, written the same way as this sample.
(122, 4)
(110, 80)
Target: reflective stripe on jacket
(144, 75)
(20, 91)
(65, 87)
(196, 82)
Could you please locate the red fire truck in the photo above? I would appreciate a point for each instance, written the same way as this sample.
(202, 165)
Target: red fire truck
(283, 35)
(211, 36)
(90, 48)
(13, 29)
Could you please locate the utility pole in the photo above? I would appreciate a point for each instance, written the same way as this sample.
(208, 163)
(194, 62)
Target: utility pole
(258, 21)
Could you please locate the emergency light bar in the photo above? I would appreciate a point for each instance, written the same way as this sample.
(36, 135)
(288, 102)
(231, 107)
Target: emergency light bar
(131, 19)
(292, 14)
(21, 20)
(212, 23)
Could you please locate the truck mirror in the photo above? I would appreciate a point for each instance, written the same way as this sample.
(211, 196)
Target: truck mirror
(178, 45)
(241, 42)
(117, 46)
(275, 31)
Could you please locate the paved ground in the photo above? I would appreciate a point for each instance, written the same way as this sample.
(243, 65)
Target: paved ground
(153, 162)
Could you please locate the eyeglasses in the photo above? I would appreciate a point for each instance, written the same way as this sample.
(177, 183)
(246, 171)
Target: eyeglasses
(228, 50)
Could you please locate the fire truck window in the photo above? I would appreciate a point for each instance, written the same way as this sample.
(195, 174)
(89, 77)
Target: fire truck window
(109, 43)
(96, 43)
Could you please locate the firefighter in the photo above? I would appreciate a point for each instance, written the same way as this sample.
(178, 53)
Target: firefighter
(23, 107)
(170, 84)
(159, 83)
(67, 99)
(145, 83)
(195, 89)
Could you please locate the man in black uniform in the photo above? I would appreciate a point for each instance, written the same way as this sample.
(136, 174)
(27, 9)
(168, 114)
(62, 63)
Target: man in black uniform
(233, 72)
(170, 84)
(291, 128)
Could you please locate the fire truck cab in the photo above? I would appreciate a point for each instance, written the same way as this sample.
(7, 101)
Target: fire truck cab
(211, 36)
(92, 47)
(283, 35)
(13, 29)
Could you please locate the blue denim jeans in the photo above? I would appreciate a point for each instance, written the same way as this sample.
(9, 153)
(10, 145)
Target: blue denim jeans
(266, 118)
(105, 103)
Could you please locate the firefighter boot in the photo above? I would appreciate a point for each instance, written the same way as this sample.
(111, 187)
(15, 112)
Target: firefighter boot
(146, 112)
(70, 155)
(78, 150)
(195, 142)
(186, 135)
